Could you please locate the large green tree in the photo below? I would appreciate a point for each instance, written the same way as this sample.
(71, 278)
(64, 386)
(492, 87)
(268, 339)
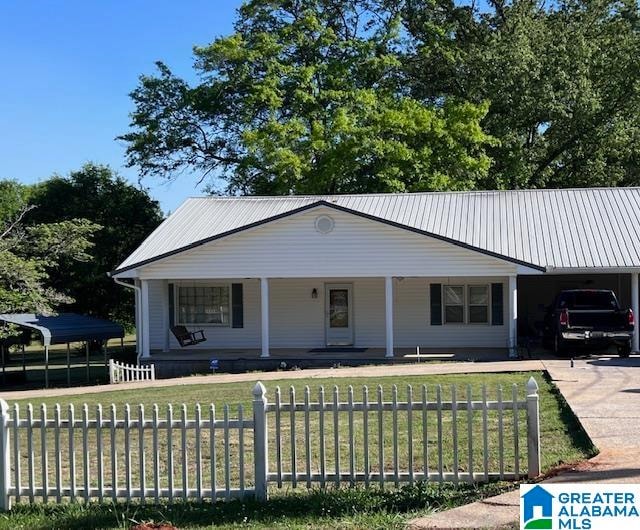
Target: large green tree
(380, 95)
(31, 251)
(307, 97)
(125, 214)
(562, 79)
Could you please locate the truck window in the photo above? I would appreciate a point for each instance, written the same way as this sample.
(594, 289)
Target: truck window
(587, 300)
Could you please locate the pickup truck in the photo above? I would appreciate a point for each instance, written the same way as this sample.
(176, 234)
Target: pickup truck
(589, 319)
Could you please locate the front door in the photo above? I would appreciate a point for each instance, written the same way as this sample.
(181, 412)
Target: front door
(339, 314)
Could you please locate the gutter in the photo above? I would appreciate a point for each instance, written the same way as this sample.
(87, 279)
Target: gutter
(138, 316)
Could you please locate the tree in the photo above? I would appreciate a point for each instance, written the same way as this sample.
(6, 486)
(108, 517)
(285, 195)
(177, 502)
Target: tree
(126, 216)
(307, 97)
(29, 252)
(561, 78)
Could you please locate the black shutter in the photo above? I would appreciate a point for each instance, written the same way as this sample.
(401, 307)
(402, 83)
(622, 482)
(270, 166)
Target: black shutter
(172, 306)
(435, 296)
(237, 307)
(497, 304)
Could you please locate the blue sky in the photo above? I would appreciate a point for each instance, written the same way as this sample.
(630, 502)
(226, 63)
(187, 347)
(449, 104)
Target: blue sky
(67, 67)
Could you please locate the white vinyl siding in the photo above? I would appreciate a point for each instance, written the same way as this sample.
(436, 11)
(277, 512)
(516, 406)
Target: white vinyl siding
(297, 320)
(355, 248)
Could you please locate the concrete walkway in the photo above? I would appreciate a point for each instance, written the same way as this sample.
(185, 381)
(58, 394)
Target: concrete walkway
(360, 371)
(604, 393)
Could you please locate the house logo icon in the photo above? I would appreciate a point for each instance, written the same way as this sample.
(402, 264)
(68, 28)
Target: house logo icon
(537, 508)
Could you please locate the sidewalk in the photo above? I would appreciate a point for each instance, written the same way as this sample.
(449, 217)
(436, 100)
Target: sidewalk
(321, 373)
(604, 393)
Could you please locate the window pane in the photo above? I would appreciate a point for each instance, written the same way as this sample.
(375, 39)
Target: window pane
(454, 314)
(453, 295)
(203, 305)
(478, 314)
(479, 295)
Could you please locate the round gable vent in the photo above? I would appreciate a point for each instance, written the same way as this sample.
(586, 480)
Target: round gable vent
(324, 224)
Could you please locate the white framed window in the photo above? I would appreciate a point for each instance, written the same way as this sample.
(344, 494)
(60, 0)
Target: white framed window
(203, 304)
(453, 306)
(478, 309)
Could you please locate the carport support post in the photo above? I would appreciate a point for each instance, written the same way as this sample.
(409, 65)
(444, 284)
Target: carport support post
(533, 428)
(86, 347)
(635, 343)
(68, 364)
(46, 366)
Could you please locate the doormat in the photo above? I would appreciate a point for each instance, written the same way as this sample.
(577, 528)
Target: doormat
(338, 349)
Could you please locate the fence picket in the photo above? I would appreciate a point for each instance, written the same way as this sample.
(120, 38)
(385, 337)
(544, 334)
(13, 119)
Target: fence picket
(365, 428)
(323, 460)
(114, 455)
(500, 435)
(227, 455)
(485, 433)
(336, 433)
(127, 451)
(516, 440)
(16, 451)
(100, 452)
(170, 470)
(241, 446)
(380, 438)
(410, 432)
(30, 452)
(44, 453)
(198, 424)
(394, 406)
(470, 432)
(439, 420)
(307, 434)
(156, 453)
(352, 454)
(454, 433)
(58, 453)
(425, 433)
(185, 475)
(292, 436)
(142, 461)
(278, 437)
(85, 452)
(212, 449)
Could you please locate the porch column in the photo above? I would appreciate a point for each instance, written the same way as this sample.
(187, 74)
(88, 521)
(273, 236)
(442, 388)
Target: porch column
(513, 315)
(388, 306)
(264, 311)
(144, 318)
(165, 315)
(635, 344)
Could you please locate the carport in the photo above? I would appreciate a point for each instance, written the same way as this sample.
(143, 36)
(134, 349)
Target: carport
(535, 293)
(63, 328)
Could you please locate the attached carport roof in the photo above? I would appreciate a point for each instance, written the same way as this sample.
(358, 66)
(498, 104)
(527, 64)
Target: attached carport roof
(66, 327)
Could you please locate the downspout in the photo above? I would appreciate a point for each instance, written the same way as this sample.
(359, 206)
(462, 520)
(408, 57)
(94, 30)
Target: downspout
(138, 316)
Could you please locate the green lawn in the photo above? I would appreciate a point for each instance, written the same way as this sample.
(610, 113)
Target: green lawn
(562, 441)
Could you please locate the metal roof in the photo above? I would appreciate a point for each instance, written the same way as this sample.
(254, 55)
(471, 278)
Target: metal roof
(66, 327)
(562, 229)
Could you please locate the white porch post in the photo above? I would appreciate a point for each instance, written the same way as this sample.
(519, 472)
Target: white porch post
(165, 315)
(388, 305)
(144, 314)
(513, 315)
(635, 345)
(264, 311)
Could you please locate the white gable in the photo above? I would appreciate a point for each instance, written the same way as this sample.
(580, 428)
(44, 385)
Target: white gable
(293, 247)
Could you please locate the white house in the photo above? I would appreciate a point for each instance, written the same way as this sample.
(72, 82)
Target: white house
(270, 277)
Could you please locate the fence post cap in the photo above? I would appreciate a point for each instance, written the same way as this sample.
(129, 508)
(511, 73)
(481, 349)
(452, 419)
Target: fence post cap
(259, 391)
(532, 386)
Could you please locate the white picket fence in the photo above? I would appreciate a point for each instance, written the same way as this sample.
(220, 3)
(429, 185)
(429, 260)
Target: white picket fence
(123, 373)
(127, 454)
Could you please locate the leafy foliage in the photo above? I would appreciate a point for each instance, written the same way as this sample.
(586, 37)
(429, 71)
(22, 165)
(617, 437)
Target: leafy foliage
(30, 251)
(307, 97)
(326, 96)
(125, 214)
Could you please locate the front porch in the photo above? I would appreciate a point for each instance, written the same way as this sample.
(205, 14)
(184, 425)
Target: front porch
(236, 360)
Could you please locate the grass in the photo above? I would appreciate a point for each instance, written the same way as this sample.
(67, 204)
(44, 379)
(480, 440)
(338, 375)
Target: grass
(561, 436)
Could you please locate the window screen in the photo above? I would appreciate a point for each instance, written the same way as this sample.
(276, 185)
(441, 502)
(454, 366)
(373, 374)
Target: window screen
(453, 304)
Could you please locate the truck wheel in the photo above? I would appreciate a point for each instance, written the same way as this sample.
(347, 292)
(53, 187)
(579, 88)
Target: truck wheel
(559, 346)
(624, 351)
